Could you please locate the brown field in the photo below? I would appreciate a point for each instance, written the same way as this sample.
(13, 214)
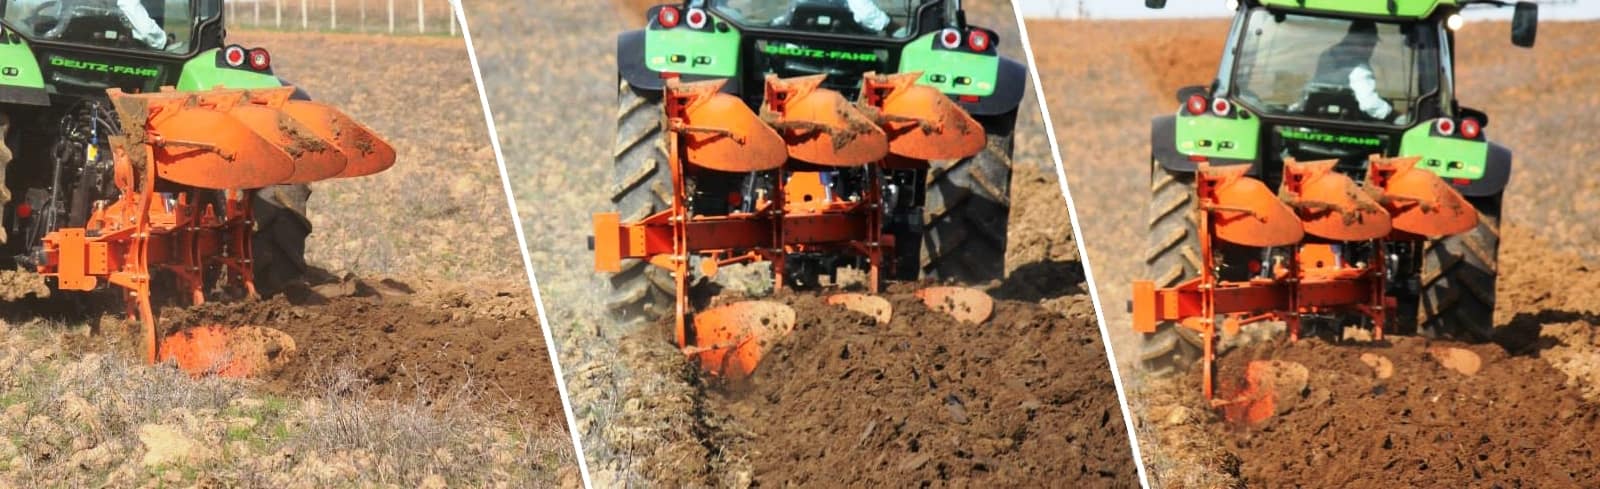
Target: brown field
(1513, 423)
(645, 417)
(420, 360)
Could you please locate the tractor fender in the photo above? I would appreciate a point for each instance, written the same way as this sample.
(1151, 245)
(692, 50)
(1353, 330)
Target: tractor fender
(1011, 83)
(630, 62)
(1164, 148)
(300, 93)
(1496, 173)
(631, 67)
(20, 95)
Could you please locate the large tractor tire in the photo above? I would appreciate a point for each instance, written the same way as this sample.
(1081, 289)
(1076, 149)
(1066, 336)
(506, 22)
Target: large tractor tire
(1458, 278)
(641, 186)
(967, 210)
(1173, 256)
(279, 243)
(281, 229)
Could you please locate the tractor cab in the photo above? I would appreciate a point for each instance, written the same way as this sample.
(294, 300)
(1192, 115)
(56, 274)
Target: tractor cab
(83, 47)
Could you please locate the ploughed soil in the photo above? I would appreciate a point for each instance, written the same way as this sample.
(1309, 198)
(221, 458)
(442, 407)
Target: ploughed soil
(1425, 425)
(648, 419)
(403, 344)
(1514, 423)
(1020, 399)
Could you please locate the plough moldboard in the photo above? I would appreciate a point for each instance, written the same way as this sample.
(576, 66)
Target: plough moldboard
(1320, 240)
(801, 133)
(186, 167)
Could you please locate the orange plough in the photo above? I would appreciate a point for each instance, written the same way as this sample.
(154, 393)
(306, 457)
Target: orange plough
(802, 131)
(1308, 230)
(186, 167)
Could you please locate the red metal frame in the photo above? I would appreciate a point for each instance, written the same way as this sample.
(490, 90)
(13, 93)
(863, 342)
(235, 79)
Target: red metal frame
(1292, 291)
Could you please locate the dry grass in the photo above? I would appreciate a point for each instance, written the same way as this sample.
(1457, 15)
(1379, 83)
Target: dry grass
(101, 419)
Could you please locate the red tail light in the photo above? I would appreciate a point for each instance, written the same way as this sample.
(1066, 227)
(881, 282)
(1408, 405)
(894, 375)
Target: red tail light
(1470, 128)
(234, 56)
(24, 210)
(978, 41)
(1446, 127)
(1196, 104)
(260, 60)
(971, 99)
(696, 17)
(950, 38)
(668, 16)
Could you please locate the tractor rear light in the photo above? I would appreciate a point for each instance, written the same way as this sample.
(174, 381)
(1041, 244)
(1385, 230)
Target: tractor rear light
(978, 41)
(233, 56)
(1470, 128)
(1197, 158)
(24, 210)
(696, 18)
(1461, 182)
(1221, 106)
(668, 16)
(971, 99)
(950, 38)
(1196, 104)
(260, 59)
(1446, 127)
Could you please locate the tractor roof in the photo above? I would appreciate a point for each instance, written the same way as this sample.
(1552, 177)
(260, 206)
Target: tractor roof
(1398, 9)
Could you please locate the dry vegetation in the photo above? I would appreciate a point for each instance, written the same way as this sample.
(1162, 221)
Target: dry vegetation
(81, 413)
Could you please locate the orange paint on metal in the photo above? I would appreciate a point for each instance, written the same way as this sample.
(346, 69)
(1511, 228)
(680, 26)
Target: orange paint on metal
(216, 146)
(730, 340)
(804, 192)
(227, 351)
(819, 125)
(1269, 386)
(203, 146)
(1244, 211)
(365, 153)
(718, 131)
(921, 122)
(967, 305)
(608, 247)
(871, 305)
(1420, 202)
(1331, 205)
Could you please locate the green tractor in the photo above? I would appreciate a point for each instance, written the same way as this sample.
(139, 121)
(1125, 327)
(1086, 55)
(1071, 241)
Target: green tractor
(948, 219)
(146, 156)
(58, 58)
(1305, 80)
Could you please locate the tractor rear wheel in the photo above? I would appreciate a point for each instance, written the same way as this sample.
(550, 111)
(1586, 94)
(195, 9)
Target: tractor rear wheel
(279, 242)
(1173, 256)
(967, 210)
(641, 186)
(282, 226)
(1458, 278)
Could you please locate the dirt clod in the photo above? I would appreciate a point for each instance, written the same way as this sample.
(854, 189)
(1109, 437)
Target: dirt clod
(1382, 368)
(1457, 359)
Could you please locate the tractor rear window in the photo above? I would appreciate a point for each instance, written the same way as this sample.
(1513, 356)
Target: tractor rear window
(876, 18)
(143, 25)
(1328, 68)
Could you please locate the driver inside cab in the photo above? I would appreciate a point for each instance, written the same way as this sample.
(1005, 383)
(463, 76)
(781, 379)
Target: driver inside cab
(866, 13)
(144, 28)
(1348, 63)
